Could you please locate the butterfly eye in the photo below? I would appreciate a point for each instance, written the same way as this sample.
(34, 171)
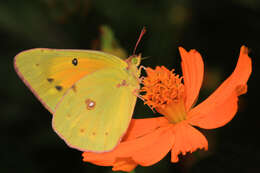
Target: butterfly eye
(136, 60)
(75, 61)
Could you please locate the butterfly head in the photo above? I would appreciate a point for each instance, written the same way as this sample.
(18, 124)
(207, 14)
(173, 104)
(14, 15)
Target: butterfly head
(135, 60)
(132, 65)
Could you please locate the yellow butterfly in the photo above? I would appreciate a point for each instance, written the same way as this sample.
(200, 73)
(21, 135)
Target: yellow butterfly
(91, 94)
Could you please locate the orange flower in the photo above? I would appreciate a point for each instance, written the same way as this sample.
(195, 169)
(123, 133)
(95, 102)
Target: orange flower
(149, 140)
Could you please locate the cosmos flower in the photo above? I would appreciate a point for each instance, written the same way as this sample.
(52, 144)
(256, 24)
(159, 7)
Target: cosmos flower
(149, 140)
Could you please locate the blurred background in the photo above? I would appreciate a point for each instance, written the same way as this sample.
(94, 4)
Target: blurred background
(216, 28)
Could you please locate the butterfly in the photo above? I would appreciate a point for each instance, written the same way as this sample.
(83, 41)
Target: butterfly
(91, 94)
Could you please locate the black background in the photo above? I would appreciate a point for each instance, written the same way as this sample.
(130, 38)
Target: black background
(215, 28)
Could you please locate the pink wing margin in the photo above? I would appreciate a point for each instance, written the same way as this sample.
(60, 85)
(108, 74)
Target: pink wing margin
(27, 83)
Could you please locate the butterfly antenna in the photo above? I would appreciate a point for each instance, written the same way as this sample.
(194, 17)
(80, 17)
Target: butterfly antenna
(146, 57)
(139, 39)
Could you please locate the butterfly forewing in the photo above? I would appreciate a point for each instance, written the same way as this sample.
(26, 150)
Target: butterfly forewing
(49, 73)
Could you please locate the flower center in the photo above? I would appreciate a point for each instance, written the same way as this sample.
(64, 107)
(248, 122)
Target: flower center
(164, 91)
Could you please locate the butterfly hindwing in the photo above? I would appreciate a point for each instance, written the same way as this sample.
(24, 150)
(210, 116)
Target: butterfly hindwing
(49, 73)
(95, 112)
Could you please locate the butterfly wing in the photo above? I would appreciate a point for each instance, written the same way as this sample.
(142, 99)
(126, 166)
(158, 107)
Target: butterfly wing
(95, 113)
(49, 73)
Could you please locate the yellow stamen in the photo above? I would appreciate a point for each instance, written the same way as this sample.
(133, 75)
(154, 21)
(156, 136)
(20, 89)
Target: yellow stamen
(174, 112)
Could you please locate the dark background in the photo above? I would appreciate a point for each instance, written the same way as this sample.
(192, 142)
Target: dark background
(215, 28)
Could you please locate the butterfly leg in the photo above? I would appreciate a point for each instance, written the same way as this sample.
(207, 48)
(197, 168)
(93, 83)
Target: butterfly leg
(136, 93)
(139, 72)
(140, 68)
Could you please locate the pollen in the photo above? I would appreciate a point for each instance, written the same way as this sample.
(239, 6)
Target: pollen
(162, 87)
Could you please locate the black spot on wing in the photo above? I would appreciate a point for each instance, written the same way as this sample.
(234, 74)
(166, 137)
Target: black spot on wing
(50, 80)
(75, 61)
(74, 88)
(58, 87)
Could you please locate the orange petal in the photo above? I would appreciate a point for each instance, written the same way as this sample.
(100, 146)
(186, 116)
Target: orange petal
(139, 135)
(156, 150)
(187, 139)
(218, 116)
(193, 71)
(124, 164)
(220, 107)
(130, 147)
(101, 159)
(140, 127)
(108, 159)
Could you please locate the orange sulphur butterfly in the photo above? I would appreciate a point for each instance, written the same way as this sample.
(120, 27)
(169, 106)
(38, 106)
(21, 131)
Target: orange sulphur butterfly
(91, 94)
